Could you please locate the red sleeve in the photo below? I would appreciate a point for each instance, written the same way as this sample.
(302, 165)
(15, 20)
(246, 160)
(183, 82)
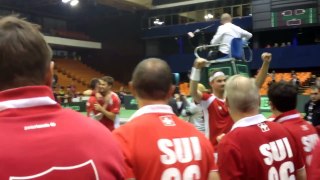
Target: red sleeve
(116, 104)
(229, 162)
(314, 170)
(93, 93)
(205, 96)
(124, 146)
(90, 105)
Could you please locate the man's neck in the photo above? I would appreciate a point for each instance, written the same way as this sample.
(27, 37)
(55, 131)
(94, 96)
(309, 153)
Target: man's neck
(108, 92)
(219, 95)
(146, 102)
(240, 115)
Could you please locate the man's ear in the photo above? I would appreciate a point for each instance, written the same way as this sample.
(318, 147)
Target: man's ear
(132, 89)
(171, 91)
(227, 103)
(271, 106)
(49, 75)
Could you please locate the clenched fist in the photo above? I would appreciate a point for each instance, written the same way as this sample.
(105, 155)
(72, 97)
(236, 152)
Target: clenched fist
(200, 63)
(266, 56)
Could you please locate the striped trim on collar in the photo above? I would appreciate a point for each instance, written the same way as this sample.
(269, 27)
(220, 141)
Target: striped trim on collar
(157, 108)
(26, 103)
(249, 121)
(286, 118)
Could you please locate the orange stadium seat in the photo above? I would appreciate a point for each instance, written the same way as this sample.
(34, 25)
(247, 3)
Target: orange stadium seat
(69, 70)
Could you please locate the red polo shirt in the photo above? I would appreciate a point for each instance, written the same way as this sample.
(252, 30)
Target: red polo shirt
(41, 140)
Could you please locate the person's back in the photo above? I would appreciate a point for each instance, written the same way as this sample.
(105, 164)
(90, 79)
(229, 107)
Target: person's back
(283, 101)
(263, 150)
(162, 145)
(304, 133)
(314, 171)
(226, 32)
(255, 148)
(40, 140)
(155, 142)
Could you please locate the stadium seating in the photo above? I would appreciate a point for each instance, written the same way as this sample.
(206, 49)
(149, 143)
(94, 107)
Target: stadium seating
(302, 76)
(73, 70)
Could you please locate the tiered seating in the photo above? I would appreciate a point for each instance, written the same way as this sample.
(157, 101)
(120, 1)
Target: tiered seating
(64, 80)
(76, 70)
(302, 76)
(184, 88)
(81, 73)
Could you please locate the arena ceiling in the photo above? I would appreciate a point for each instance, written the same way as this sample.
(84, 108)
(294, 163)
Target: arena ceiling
(120, 5)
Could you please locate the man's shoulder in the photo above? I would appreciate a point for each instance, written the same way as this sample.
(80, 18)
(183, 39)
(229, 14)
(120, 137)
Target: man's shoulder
(114, 94)
(206, 96)
(299, 125)
(232, 139)
(317, 103)
(92, 99)
(79, 120)
(155, 120)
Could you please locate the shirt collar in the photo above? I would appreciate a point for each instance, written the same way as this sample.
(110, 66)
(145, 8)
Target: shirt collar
(156, 108)
(286, 116)
(25, 97)
(249, 121)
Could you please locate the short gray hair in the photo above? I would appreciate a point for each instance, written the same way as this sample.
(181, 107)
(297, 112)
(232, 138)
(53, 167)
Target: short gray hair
(242, 94)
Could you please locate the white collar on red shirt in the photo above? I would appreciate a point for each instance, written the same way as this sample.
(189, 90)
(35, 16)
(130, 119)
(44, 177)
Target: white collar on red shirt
(25, 97)
(156, 108)
(286, 116)
(249, 121)
(26, 103)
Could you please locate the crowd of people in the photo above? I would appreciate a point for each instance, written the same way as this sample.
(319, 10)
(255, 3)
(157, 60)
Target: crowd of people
(42, 140)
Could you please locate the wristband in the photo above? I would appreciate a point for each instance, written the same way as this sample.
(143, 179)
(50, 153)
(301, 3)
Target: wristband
(195, 74)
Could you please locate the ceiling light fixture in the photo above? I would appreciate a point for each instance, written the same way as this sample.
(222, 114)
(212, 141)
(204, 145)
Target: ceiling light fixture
(66, 1)
(74, 2)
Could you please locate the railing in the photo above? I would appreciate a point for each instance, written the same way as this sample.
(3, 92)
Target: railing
(197, 16)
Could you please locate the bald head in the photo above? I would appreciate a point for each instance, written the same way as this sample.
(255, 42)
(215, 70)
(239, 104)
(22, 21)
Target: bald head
(242, 94)
(152, 79)
(225, 18)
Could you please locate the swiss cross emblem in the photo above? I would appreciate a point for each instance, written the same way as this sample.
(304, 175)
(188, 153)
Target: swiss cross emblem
(263, 127)
(167, 121)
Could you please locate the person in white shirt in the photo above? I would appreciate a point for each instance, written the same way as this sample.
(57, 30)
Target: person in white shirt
(193, 112)
(225, 33)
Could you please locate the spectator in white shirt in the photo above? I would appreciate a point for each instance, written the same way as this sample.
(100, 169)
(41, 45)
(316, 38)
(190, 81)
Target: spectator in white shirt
(225, 33)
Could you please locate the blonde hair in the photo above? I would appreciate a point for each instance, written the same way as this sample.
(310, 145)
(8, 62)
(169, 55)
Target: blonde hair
(242, 94)
(202, 88)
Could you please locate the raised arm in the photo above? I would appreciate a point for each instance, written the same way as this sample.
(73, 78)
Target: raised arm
(262, 75)
(245, 34)
(199, 63)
